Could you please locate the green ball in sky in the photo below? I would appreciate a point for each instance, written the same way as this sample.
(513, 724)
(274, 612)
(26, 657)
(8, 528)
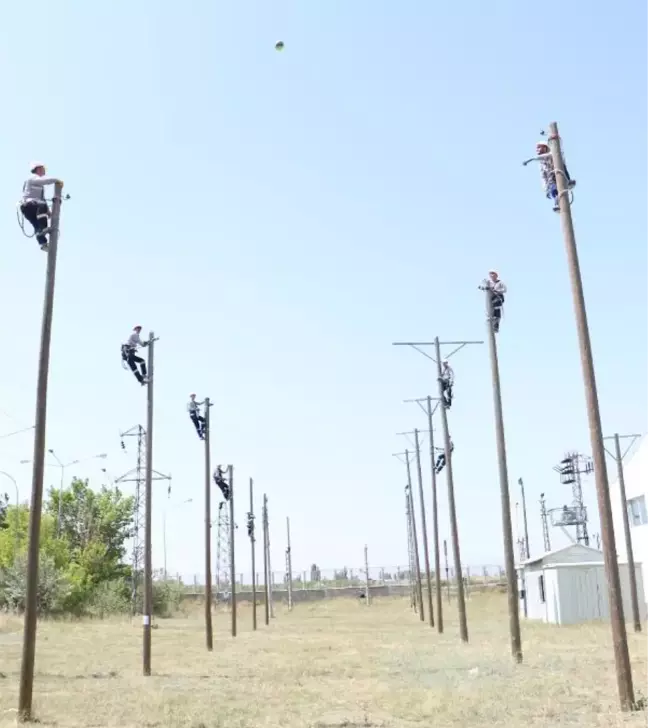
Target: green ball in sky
(279, 45)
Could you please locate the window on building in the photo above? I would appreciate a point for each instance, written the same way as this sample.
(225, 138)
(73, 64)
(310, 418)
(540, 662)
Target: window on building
(541, 588)
(637, 513)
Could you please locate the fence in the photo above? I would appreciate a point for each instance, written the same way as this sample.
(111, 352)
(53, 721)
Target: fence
(316, 579)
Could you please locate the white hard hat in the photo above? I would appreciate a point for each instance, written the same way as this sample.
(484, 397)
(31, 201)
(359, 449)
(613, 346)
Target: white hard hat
(492, 270)
(542, 143)
(36, 165)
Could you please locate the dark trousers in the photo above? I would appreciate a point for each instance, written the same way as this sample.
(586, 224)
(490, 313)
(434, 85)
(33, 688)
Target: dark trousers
(497, 301)
(36, 213)
(440, 463)
(447, 393)
(199, 423)
(133, 362)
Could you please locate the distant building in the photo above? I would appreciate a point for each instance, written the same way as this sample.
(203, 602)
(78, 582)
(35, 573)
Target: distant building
(635, 471)
(568, 586)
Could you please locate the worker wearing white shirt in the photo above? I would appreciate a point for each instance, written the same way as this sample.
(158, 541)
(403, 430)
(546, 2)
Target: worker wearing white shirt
(193, 408)
(129, 355)
(447, 382)
(497, 290)
(33, 205)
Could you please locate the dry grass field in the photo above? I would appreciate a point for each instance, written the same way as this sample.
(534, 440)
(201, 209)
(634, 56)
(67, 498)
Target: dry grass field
(329, 664)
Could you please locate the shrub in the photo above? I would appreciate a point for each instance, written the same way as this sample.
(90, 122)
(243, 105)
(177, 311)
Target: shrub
(53, 588)
(109, 598)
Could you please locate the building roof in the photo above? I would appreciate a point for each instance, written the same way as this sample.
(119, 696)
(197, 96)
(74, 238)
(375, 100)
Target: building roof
(575, 553)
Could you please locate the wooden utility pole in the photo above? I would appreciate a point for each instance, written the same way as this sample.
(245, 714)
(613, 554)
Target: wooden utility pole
(410, 550)
(270, 579)
(36, 507)
(632, 576)
(367, 581)
(417, 562)
(454, 528)
(147, 612)
(507, 528)
(265, 560)
(435, 522)
(289, 567)
(232, 549)
(617, 622)
(209, 632)
(426, 548)
(253, 555)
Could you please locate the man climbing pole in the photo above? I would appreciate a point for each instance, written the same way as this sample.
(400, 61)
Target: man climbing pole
(194, 413)
(222, 483)
(33, 205)
(129, 355)
(543, 155)
(447, 382)
(497, 289)
(441, 459)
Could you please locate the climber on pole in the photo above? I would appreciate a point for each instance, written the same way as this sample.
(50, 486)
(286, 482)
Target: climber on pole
(447, 382)
(543, 155)
(441, 459)
(497, 289)
(33, 205)
(129, 355)
(194, 413)
(222, 483)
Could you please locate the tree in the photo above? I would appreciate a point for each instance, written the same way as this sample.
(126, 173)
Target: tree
(4, 505)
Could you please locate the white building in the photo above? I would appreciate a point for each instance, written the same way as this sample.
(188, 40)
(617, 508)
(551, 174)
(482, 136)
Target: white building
(568, 586)
(635, 471)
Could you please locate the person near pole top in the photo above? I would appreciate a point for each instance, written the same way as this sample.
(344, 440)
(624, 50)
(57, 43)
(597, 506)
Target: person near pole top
(497, 289)
(33, 205)
(220, 481)
(129, 355)
(447, 382)
(543, 155)
(194, 413)
(441, 459)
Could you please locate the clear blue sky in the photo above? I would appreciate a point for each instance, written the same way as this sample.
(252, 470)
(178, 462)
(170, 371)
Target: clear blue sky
(280, 219)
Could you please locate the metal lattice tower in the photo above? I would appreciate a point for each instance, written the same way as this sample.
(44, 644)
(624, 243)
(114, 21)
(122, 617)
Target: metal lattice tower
(570, 469)
(137, 476)
(223, 548)
(545, 524)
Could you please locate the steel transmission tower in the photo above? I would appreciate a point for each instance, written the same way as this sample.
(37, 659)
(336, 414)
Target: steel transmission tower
(570, 469)
(137, 476)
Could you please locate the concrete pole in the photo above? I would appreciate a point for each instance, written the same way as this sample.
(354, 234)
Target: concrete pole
(435, 524)
(527, 552)
(426, 548)
(289, 567)
(270, 579)
(507, 528)
(209, 631)
(634, 597)
(454, 529)
(253, 558)
(417, 562)
(265, 560)
(410, 551)
(366, 564)
(35, 511)
(617, 622)
(147, 611)
(232, 549)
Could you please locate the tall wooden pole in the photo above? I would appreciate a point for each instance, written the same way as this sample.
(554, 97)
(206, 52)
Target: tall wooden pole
(232, 549)
(426, 548)
(147, 615)
(36, 507)
(617, 621)
(507, 528)
(435, 523)
(209, 632)
(253, 557)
